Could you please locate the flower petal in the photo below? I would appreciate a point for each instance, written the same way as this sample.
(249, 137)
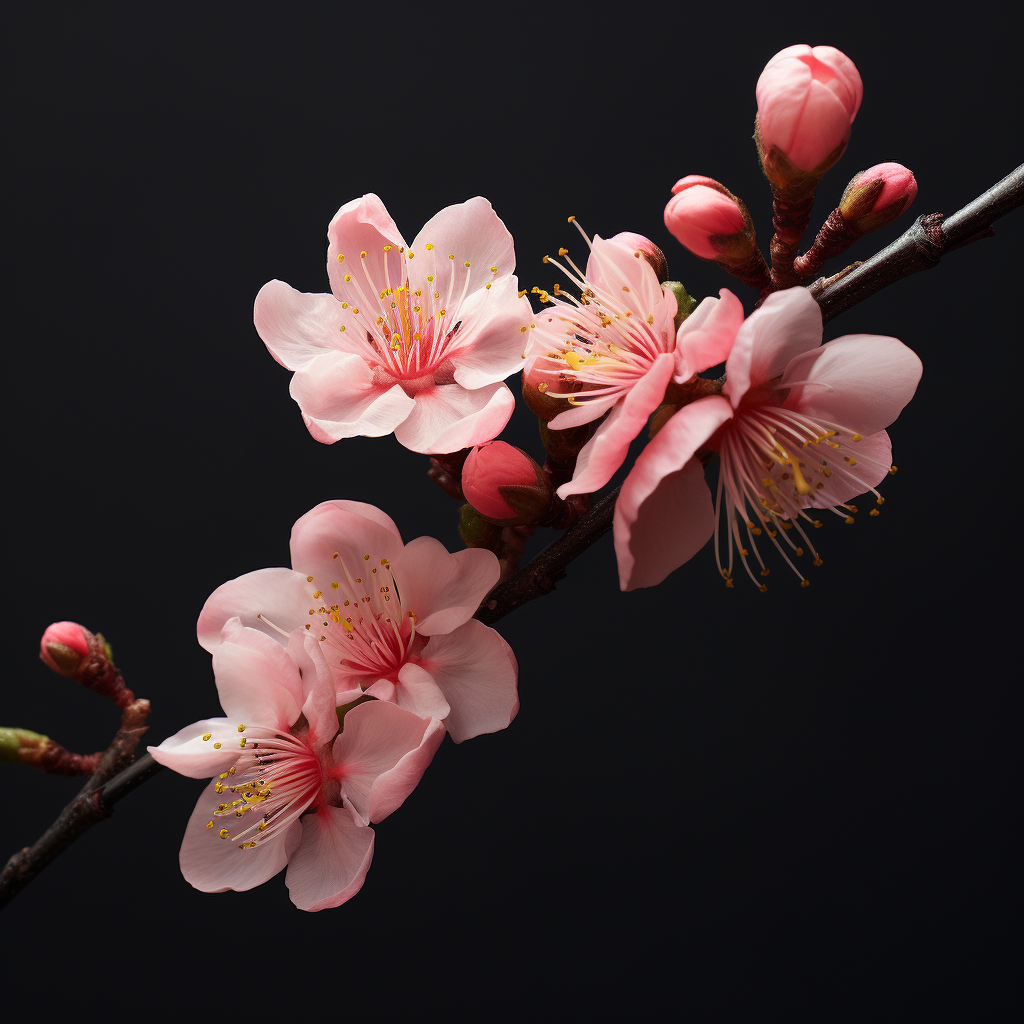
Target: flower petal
(443, 589)
(448, 418)
(417, 692)
(861, 381)
(873, 457)
(664, 514)
(477, 673)
(471, 232)
(330, 865)
(212, 864)
(787, 324)
(623, 274)
(705, 338)
(188, 753)
(382, 753)
(490, 343)
(338, 397)
(364, 226)
(281, 595)
(602, 455)
(319, 708)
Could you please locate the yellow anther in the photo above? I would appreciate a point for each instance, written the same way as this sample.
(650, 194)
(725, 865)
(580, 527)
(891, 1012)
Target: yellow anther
(817, 559)
(563, 252)
(216, 745)
(207, 735)
(241, 742)
(223, 833)
(765, 572)
(542, 386)
(362, 255)
(805, 583)
(430, 245)
(334, 586)
(544, 259)
(309, 579)
(873, 512)
(571, 219)
(573, 360)
(341, 259)
(848, 520)
(494, 270)
(241, 728)
(348, 277)
(799, 551)
(466, 264)
(451, 255)
(856, 437)
(892, 471)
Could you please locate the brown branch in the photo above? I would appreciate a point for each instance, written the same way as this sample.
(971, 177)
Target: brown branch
(921, 247)
(89, 807)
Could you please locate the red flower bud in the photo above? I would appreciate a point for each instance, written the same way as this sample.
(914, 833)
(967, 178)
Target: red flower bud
(63, 646)
(647, 249)
(709, 220)
(877, 196)
(504, 484)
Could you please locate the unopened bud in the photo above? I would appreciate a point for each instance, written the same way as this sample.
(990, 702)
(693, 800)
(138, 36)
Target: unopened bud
(64, 646)
(505, 485)
(477, 532)
(709, 220)
(647, 249)
(21, 746)
(807, 98)
(877, 196)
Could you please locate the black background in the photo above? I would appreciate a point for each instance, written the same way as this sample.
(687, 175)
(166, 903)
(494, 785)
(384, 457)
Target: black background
(797, 797)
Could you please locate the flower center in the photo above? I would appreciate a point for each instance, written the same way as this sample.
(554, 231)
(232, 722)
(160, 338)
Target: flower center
(276, 778)
(406, 331)
(775, 464)
(362, 624)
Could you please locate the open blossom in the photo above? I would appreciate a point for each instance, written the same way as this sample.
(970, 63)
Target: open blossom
(415, 339)
(616, 348)
(800, 426)
(392, 620)
(287, 789)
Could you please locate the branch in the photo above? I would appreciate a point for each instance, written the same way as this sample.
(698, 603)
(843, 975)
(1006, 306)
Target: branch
(921, 247)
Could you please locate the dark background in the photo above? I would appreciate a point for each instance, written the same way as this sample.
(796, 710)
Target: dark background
(797, 797)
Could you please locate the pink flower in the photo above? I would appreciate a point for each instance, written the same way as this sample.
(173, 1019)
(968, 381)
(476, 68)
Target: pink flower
(615, 350)
(416, 339)
(807, 99)
(800, 425)
(287, 792)
(705, 217)
(393, 620)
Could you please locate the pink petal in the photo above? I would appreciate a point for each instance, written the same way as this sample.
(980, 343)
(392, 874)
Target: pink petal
(382, 753)
(258, 684)
(281, 595)
(471, 232)
(448, 418)
(823, 126)
(602, 455)
(187, 753)
(417, 692)
(860, 381)
(491, 345)
(320, 705)
(348, 529)
(787, 324)
(331, 862)
(305, 650)
(363, 225)
(212, 864)
(585, 412)
(781, 92)
(339, 397)
(477, 673)
(873, 458)
(664, 514)
(442, 589)
(705, 338)
(298, 326)
(628, 279)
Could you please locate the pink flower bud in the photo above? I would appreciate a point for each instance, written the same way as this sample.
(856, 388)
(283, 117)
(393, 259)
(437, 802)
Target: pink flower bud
(504, 484)
(877, 196)
(647, 249)
(63, 646)
(807, 99)
(708, 219)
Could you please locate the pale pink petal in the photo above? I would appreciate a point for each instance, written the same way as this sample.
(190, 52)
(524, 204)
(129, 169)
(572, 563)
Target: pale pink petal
(298, 326)
(860, 381)
(781, 92)
(489, 345)
(340, 396)
(330, 865)
(824, 126)
(319, 708)
(705, 338)
(477, 673)
(305, 650)
(787, 324)
(281, 596)
(471, 232)
(442, 589)
(364, 225)
(337, 533)
(602, 455)
(212, 864)
(381, 755)
(624, 275)
(584, 412)
(187, 753)
(664, 514)
(448, 418)
(416, 691)
(258, 684)
(872, 456)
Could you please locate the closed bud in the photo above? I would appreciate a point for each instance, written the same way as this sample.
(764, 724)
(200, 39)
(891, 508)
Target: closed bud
(647, 249)
(877, 196)
(807, 98)
(64, 646)
(709, 220)
(477, 532)
(505, 485)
